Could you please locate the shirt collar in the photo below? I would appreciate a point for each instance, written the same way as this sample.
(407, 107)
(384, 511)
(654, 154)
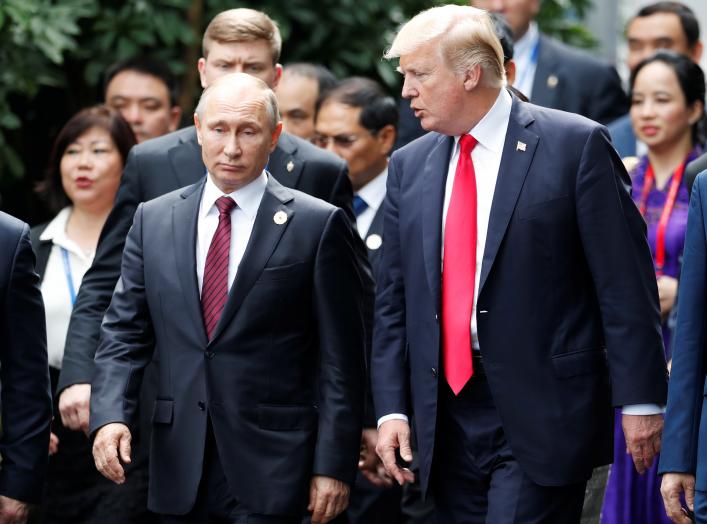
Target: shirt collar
(373, 193)
(55, 232)
(247, 198)
(523, 47)
(490, 132)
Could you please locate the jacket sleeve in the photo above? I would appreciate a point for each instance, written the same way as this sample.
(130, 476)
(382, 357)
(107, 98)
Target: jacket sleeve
(127, 341)
(24, 373)
(687, 377)
(341, 346)
(99, 282)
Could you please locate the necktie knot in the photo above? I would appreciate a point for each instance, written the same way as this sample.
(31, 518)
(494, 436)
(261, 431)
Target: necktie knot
(359, 205)
(225, 205)
(467, 143)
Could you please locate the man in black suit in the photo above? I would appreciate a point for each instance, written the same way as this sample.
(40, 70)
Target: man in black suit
(237, 40)
(517, 304)
(552, 74)
(260, 392)
(356, 120)
(24, 375)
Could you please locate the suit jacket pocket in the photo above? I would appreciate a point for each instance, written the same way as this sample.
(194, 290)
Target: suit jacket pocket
(281, 272)
(163, 412)
(283, 417)
(554, 205)
(581, 362)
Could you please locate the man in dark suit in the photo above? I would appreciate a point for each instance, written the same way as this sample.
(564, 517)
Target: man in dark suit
(24, 375)
(356, 120)
(555, 75)
(237, 40)
(260, 367)
(662, 25)
(683, 460)
(518, 302)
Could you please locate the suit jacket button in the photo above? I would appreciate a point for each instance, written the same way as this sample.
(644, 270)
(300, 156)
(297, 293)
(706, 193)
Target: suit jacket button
(209, 354)
(434, 372)
(436, 317)
(202, 405)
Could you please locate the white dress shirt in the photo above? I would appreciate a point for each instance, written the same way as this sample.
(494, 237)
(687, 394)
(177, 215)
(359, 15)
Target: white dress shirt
(247, 201)
(372, 194)
(490, 134)
(525, 55)
(56, 292)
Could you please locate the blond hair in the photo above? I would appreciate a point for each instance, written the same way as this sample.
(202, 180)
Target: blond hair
(243, 25)
(466, 37)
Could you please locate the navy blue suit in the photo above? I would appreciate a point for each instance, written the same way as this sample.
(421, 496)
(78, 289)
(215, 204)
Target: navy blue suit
(281, 380)
(568, 299)
(24, 372)
(685, 433)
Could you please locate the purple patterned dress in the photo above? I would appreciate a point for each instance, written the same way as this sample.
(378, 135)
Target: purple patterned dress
(632, 498)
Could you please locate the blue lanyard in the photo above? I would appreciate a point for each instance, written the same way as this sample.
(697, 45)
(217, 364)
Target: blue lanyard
(69, 278)
(532, 61)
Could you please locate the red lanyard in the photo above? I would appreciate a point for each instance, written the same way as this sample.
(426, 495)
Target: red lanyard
(665, 215)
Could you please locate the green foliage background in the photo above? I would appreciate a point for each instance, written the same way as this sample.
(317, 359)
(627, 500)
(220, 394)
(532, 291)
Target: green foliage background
(56, 50)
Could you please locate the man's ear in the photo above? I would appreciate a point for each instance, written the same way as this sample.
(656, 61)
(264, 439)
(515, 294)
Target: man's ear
(386, 138)
(278, 75)
(472, 77)
(201, 66)
(175, 115)
(275, 136)
(197, 125)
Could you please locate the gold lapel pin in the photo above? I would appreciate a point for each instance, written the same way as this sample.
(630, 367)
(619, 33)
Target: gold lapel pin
(552, 81)
(290, 166)
(280, 218)
(374, 242)
(520, 146)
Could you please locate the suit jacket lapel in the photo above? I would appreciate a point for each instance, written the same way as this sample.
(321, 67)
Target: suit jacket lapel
(282, 164)
(434, 179)
(515, 163)
(263, 240)
(186, 161)
(184, 223)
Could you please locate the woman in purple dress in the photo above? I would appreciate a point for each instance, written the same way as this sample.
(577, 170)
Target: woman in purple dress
(667, 113)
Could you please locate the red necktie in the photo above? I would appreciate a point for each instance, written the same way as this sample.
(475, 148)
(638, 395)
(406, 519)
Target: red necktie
(459, 270)
(214, 290)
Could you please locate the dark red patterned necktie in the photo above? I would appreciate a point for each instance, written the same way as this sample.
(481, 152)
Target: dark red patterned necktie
(459, 270)
(214, 290)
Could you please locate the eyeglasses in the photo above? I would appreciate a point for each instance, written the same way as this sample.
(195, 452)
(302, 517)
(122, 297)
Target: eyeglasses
(342, 141)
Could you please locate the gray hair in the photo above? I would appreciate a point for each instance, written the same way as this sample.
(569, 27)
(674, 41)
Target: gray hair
(466, 36)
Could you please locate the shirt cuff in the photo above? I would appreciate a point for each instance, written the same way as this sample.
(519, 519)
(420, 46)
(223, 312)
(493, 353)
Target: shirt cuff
(392, 416)
(643, 409)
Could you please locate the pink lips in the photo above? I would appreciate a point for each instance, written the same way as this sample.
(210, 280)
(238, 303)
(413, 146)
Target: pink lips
(649, 130)
(83, 182)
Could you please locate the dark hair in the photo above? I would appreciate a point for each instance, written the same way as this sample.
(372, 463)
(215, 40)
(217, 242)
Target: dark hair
(691, 79)
(145, 66)
(50, 188)
(504, 34)
(326, 81)
(377, 108)
(688, 20)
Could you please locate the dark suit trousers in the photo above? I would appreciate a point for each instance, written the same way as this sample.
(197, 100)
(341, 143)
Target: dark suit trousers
(476, 479)
(214, 502)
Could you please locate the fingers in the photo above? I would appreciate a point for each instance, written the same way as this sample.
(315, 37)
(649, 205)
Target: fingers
(105, 451)
(82, 414)
(74, 404)
(125, 448)
(53, 443)
(672, 485)
(405, 449)
(328, 498)
(690, 494)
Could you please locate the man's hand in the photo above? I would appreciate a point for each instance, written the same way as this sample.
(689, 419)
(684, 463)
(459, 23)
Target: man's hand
(667, 292)
(327, 498)
(642, 434)
(671, 487)
(110, 440)
(394, 434)
(74, 407)
(13, 511)
(53, 443)
(369, 462)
